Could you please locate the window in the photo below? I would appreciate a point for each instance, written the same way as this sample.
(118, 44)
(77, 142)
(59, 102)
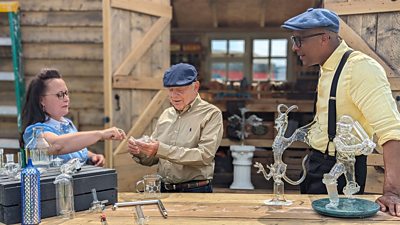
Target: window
(257, 59)
(269, 59)
(227, 60)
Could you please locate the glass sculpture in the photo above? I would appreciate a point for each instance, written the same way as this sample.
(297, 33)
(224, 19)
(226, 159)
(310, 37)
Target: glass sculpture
(348, 146)
(277, 170)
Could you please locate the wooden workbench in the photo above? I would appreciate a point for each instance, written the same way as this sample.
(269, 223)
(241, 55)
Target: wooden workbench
(221, 208)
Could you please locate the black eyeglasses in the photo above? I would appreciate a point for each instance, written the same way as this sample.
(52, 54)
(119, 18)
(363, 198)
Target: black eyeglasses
(296, 40)
(60, 95)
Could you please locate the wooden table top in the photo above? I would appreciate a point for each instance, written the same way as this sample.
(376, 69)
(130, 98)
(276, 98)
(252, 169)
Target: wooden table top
(221, 208)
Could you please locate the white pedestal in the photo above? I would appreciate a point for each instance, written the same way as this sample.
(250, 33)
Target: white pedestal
(242, 162)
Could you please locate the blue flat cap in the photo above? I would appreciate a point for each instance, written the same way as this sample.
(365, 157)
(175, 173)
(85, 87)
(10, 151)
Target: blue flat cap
(314, 18)
(181, 74)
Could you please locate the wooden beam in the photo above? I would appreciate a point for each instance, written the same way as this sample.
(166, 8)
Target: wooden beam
(375, 160)
(145, 7)
(213, 6)
(142, 46)
(394, 83)
(144, 119)
(174, 20)
(260, 143)
(107, 77)
(229, 30)
(142, 83)
(357, 43)
(363, 6)
(263, 4)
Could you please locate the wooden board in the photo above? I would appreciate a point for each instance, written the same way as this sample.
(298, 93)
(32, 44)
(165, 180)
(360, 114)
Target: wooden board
(70, 34)
(88, 51)
(67, 67)
(8, 127)
(388, 45)
(362, 6)
(225, 208)
(63, 51)
(61, 5)
(62, 18)
(87, 101)
(365, 26)
(91, 117)
(375, 180)
(83, 84)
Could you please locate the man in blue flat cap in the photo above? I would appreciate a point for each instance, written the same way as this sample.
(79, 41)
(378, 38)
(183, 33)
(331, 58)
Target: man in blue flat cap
(350, 83)
(186, 137)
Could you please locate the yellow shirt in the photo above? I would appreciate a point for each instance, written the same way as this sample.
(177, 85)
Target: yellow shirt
(188, 142)
(363, 93)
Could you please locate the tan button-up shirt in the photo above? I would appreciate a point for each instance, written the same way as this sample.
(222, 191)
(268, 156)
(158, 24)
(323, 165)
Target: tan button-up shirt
(188, 142)
(363, 93)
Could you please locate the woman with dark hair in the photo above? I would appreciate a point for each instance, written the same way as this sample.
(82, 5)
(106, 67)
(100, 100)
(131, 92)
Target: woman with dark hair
(47, 102)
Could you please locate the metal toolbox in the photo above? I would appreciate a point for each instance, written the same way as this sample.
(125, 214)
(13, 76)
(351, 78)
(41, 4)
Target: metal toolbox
(102, 179)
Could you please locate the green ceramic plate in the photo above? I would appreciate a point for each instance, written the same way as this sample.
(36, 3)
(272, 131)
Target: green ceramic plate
(348, 208)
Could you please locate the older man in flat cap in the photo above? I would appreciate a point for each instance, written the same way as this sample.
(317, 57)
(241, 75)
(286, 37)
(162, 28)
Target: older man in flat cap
(351, 83)
(186, 137)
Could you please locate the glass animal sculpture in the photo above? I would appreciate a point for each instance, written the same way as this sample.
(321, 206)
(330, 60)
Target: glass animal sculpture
(277, 170)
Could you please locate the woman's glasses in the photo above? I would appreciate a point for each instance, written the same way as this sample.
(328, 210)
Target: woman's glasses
(60, 95)
(296, 40)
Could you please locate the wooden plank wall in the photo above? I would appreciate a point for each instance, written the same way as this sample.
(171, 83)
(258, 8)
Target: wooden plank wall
(67, 35)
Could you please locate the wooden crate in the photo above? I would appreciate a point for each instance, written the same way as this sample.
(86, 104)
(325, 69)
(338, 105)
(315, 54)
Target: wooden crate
(102, 179)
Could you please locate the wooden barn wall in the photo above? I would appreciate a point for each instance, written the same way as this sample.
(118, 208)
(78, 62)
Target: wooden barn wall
(67, 35)
(381, 32)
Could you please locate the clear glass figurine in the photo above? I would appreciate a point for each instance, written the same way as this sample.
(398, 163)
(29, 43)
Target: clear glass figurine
(11, 168)
(348, 146)
(144, 139)
(278, 169)
(72, 166)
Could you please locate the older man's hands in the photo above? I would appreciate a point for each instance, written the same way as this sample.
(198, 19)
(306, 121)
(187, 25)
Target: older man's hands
(148, 147)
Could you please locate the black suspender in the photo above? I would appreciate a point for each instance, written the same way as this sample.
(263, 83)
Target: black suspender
(332, 100)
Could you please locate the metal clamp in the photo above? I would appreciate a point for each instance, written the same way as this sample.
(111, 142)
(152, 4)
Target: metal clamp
(96, 205)
(158, 202)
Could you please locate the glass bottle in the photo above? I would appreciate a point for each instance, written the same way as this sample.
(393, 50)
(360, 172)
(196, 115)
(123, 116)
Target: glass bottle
(30, 194)
(65, 196)
(38, 150)
(11, 168)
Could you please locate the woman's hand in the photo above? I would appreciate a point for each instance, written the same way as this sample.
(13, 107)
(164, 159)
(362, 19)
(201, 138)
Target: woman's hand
(97, 159)
(113, 133)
